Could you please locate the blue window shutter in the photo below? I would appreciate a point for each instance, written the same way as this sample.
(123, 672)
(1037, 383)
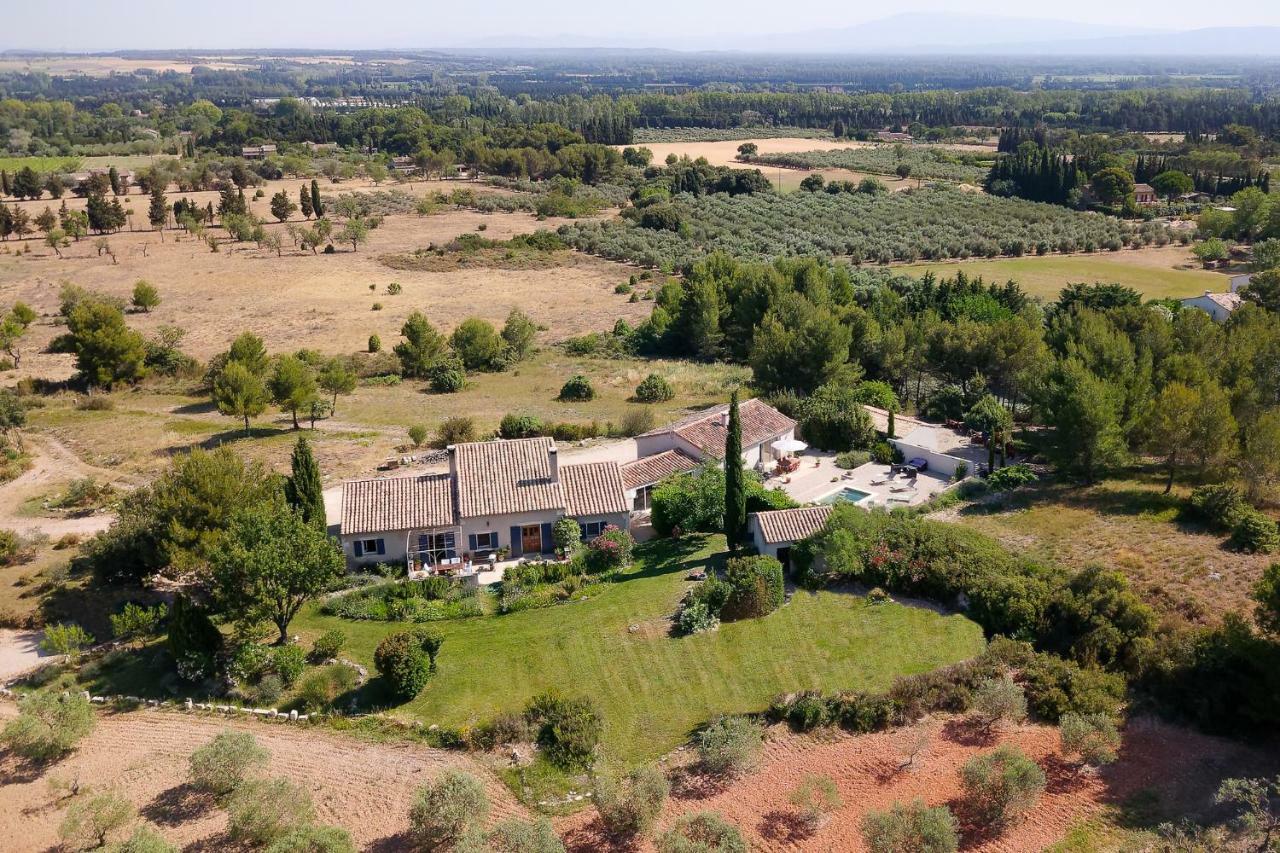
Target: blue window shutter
(359, 548)
(546, 537)
(516, 542)
(471, 541)
(382, 547)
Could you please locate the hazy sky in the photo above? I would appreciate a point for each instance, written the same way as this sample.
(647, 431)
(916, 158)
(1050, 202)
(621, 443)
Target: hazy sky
(102, 25)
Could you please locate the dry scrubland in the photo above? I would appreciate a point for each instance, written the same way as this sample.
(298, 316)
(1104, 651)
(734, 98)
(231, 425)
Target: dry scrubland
(1128, 525)
(367, 787)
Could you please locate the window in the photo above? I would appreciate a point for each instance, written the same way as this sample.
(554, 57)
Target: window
(434, 548)
(642, 498)
(369, 546)
(485, 541)
(591, 529)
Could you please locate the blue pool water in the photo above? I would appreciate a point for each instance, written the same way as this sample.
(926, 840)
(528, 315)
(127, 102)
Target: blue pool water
(845, 495)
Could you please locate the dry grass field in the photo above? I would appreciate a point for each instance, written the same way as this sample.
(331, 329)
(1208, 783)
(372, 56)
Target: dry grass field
(1157, 273)
(1127, 525)
(725, 154)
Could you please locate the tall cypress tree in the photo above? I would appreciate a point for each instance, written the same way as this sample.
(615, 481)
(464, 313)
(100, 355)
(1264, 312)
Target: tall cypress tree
(735, 486)
(316, 206)
(304, 489)
(304, 201)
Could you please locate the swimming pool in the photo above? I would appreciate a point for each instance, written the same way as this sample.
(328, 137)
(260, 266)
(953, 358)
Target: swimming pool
(845, 495)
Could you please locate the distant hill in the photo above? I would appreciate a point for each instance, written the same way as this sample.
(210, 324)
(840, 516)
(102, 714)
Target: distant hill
(920, 33)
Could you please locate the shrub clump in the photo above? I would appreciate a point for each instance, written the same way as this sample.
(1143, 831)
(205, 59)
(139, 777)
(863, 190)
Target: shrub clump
(406, 659)
(48, 725)
(612, 550)
(328, 645)
(264, 811)
(1001, 786)
(815, 798)
(578, 388)
(629, 807)
(568, 730)
(321, 688)
(654, 389)
(1010, 477)
(730, 745)
(443, 810)
(755, 587)
(515, 425)
(223, 764)
(1093, 737)
(911, 828)
(704, 832)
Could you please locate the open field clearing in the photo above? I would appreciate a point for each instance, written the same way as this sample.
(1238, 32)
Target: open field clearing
(725, 153)
(367, 788)
(319, 301)
(1156, 273)
(1130, 526)
(104, 66)
(147, 425)
(925, 162)
(653, 688)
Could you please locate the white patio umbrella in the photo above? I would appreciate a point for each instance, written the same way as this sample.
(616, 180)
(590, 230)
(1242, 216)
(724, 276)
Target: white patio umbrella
(789, 445)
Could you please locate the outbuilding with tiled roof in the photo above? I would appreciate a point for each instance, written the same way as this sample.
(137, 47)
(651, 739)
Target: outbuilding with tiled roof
(775, 532)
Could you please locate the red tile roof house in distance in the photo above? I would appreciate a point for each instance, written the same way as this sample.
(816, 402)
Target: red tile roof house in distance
(497, 497)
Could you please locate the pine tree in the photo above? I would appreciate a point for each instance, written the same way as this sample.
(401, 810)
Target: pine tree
(304, 489)
(158, 214)
(316, 206)
(735, 486)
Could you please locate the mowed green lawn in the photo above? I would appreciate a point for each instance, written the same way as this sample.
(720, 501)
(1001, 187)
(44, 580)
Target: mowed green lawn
(654, 689)
(1150, 272)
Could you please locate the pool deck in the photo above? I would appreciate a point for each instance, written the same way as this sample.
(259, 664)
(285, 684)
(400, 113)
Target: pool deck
(819, 477)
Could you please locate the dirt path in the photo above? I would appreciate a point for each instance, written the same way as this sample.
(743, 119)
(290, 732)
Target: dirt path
(19, 652)
(53, 464)
(367, 788)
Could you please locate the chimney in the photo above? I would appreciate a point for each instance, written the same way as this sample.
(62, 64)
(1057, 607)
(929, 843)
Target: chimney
(452, 450)
(554, 459)
(724, 419)
(1207, 292)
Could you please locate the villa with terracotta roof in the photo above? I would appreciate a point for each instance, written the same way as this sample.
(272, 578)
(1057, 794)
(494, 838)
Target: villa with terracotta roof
(498, 498)
(701, 436)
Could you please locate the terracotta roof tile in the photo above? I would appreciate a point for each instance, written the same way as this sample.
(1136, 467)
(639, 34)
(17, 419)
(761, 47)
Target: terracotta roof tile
(397, 503)
(651, 469)
(791, 525)
(506, 477)
(594, 488)
(704, 430)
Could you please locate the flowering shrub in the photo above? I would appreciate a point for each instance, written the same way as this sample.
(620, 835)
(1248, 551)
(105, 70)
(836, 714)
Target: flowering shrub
(609, 551)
